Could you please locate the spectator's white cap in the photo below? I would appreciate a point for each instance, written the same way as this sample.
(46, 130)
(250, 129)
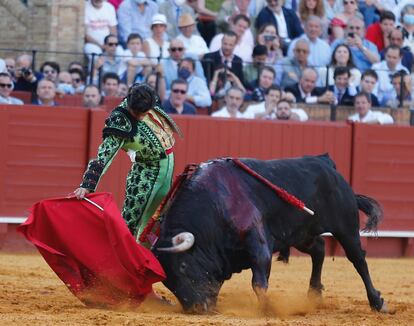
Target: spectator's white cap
(159, 19)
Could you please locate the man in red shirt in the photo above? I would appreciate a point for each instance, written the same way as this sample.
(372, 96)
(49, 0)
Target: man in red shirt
(378, 33)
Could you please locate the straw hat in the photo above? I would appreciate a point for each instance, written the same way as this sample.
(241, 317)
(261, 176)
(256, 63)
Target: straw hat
(186, 20)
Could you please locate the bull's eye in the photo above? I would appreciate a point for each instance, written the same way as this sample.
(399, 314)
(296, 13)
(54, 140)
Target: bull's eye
(183, 266)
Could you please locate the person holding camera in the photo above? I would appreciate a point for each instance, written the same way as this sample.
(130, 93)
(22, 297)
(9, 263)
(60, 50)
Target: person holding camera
(223, 80)
(268, 37)
(363, 51)
(26, 78)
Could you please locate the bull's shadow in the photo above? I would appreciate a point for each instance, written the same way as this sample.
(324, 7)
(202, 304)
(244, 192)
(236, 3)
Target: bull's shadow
(222, 220)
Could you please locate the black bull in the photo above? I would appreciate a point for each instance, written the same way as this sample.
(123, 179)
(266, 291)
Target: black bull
(223, 220)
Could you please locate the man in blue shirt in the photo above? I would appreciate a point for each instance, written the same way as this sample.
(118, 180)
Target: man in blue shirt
(364, 53)
(176, 103)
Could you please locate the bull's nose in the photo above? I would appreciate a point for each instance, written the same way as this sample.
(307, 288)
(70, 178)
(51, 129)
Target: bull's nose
(199, 308)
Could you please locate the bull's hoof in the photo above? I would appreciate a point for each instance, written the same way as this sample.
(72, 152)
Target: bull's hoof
(384, 308)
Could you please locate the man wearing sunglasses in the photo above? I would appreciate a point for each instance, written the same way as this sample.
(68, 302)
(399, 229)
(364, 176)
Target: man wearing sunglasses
(6, 87)
(108, 61)
(170, 65)
(176, 103)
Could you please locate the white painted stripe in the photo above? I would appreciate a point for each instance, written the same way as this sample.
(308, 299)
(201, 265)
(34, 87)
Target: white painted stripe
(381, 234)
(12, 220)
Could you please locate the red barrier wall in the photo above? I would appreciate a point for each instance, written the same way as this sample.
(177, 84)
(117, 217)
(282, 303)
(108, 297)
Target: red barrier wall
(383, 167)
(43, 153)
(206, 138)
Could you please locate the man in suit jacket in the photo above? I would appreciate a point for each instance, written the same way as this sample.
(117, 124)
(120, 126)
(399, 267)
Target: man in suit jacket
(343, 93)
(225, 56)
(306, 92)
(288, 26)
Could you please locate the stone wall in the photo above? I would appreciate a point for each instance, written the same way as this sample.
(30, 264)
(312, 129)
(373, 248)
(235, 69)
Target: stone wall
(43, 25)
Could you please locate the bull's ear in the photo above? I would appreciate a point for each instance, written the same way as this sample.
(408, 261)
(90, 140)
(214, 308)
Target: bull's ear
(181, 242)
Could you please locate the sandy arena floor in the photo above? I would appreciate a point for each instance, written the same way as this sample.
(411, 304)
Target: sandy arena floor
(31, 294)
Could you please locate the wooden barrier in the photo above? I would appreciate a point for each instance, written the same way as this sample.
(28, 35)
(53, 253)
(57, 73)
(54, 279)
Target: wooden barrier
(45, 151)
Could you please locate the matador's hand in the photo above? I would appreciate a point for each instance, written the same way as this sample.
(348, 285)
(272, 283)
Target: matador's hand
(80, 193)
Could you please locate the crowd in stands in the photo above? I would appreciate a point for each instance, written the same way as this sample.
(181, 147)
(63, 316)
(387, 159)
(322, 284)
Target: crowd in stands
(259, 59)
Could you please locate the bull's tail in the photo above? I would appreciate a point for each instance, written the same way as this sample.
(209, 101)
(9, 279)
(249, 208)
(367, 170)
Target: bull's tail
(372, 209)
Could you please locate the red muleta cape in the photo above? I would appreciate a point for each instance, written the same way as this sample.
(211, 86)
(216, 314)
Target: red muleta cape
(92, 251)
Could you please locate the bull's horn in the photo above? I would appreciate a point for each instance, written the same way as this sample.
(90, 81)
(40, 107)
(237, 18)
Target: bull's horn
(181, 242)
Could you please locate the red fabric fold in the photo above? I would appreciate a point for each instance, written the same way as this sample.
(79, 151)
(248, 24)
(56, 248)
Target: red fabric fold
(92, 251)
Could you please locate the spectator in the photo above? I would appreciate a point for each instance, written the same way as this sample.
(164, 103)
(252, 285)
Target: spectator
(350, 10)
(197, 92)
(135, 65)
(284, 111)
(10, 67)
(407, 57)
(228, 11)
(341, 57)
(306, 91)
(365, 114)
(333, 8)
(363, 51)
(385, 69)
(176, 103)
(100, 21)
(91, 96)
(319, 50)
(379, 33)
(224, 79)
(122, 89)
(50, 71)
(316, 8)
(407, 19)
(170, 65)
(192, 43)
(173, 10)
(46, 93)
(110, 84)
(401, 92)
(64, 85)
(26, 78)
(267, 109)
(290, 70)
(157, 82)
(268, 37)
(78, 80)
(108, 61)
(215, 60)
(156, 46)
(368, 81)
(251, 71)
(245, 43)
(266, 77)
(343, 93)
(285, 20)
(135, 16)
(233, 103)
(6, 87)
(206, 19)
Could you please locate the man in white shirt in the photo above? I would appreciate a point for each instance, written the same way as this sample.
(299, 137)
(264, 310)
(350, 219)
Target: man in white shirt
(320, 50)
(234, 101)
(192, 43)
(385, 69)
(6, 87)
(364, 113)
(268, 108)
(100, 21)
